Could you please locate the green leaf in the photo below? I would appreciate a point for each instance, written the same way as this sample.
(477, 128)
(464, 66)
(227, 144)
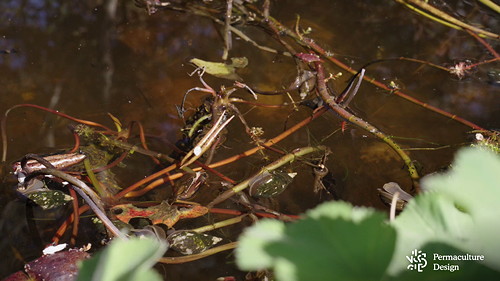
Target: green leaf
(460, 208)
(220, 69)
(124, 260)
(327, 245)
(340, 209)
(251, 254)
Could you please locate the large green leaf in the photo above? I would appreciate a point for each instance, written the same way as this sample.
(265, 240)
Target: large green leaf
(326, 245)
(251, 253)
(127, 260)
(460, 208)
(457, 215)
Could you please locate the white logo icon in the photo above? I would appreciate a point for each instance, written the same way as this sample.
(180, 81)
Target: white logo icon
(417, 260)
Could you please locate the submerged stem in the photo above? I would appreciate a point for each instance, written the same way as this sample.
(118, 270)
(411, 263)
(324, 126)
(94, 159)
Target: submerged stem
(330, 100)
(219, 224)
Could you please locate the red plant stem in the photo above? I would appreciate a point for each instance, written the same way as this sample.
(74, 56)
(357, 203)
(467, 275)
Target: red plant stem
(3, 123)
(281, 152)
(56, 112)
(176, 176)
(77, 143)
(482, 62)
(150, 186)
(485, 44)
(74, 233)
(307, 42)
(400, 93)
(112, 164)
(215, 172)
(62, 229)
(143, 141)
(425, 62)
(144, 181)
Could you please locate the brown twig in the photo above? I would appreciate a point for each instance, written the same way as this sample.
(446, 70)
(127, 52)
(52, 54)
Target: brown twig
(227, 31)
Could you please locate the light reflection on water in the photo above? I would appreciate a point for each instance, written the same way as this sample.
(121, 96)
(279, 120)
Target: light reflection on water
(59, 64)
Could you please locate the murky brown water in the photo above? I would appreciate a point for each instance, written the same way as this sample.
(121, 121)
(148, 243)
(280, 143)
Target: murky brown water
(76, 58)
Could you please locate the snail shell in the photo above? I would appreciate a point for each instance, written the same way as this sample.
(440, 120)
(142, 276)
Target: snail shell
(191, 242)
(270, 184)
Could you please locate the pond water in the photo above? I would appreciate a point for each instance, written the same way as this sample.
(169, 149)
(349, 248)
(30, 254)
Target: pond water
(89, 58)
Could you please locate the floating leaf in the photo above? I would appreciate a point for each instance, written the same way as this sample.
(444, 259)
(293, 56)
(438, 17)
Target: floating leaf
(163, 213)
(126, 260)
(220, 69)
(49, 199)
(190, 242)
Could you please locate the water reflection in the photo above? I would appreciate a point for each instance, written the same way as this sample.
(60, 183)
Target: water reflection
(92, 57)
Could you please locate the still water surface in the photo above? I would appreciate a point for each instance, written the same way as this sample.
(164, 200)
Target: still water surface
(85, 60)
